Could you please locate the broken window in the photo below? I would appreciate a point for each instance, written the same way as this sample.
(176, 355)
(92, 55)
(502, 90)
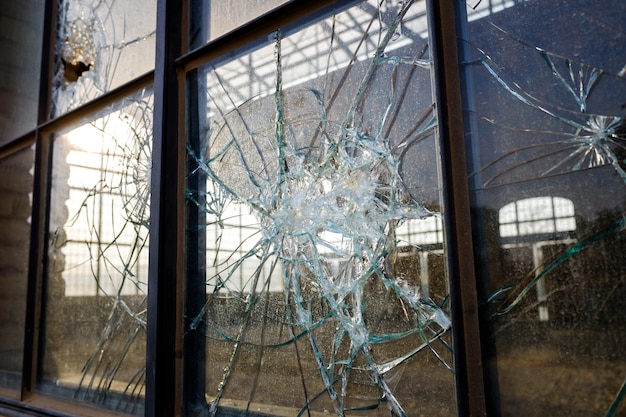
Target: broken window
(306, 275)
(95, 321)
(314, 201)
(549, 188)
(100, 45)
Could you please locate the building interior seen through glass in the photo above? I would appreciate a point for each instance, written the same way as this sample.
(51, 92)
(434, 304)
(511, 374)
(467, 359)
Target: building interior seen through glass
(316, 208)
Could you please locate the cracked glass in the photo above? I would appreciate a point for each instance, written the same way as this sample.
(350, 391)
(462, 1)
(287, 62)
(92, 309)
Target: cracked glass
(97, 258)
(314, 228)
(546, 105)
(100, 45)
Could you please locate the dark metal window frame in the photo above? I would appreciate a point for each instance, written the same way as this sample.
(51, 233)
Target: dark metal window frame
(173, 382)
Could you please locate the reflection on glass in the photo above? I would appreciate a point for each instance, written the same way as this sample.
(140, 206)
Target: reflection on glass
(550, 188)
(101, 44)
(537, 215)
(98, 258)
(218, 17)
(21, 29)
(317, 184)
(16, 188)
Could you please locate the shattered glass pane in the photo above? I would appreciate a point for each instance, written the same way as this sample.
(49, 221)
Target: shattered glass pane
(16, 187)
(95, 320)
(100, 45)
(316, 179)
(548, 82)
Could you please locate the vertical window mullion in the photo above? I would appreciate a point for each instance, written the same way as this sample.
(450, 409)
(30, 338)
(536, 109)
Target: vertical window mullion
(195, 294)
(163, 344)
(194, 348)
(460, 260)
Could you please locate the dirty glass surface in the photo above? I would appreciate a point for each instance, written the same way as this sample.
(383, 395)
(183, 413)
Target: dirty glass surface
(100, 45)
(546, 102)
(218, 17)
(313, 189)
(96, 284)
(21, 29)
(16, 187)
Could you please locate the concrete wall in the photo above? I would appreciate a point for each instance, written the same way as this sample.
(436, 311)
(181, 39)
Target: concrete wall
(20, 62)
(15, 212)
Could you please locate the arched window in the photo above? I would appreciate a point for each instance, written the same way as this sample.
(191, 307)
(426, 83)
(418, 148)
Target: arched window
(537, 216)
